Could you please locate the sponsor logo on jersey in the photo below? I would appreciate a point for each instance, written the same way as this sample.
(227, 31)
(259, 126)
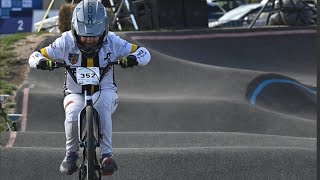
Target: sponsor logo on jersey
(108, 57)
(53, 45)
(141, 53)
(73, 58)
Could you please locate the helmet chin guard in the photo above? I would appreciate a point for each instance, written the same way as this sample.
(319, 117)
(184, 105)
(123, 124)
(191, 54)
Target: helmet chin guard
(89, 52)
(89, 18)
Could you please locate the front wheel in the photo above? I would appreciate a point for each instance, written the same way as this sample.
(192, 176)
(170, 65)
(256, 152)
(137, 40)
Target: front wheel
(91, 153)
(82, 172)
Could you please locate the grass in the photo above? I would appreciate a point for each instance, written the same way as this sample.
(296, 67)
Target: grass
(11, 39)
(7, 60)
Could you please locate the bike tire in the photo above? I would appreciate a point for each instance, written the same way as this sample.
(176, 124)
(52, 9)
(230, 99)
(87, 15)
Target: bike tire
(82, 173)
(91, 153)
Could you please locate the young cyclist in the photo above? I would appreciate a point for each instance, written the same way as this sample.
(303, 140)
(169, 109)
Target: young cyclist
(89, 44)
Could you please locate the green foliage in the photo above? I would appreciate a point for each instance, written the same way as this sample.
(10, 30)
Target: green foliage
(8, 41)
(6, 88)
(4, 54)
(252, 1)
(6, 60)
(12, 105)
(6, 46)
(3, 124)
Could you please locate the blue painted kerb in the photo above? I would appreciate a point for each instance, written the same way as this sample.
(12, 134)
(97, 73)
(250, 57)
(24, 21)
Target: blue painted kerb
(270, 81)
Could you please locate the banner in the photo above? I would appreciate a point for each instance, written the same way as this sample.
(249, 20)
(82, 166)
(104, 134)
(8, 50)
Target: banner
(16, 15)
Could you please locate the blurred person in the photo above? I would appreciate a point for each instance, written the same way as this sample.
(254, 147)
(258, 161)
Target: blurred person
(89, 43)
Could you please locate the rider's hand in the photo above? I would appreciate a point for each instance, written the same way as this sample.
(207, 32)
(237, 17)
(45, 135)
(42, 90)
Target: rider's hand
(128, 61)
(45, 64)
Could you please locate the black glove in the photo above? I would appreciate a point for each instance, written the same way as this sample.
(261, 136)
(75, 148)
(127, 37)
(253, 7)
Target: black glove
(128, 61)
(45, 64)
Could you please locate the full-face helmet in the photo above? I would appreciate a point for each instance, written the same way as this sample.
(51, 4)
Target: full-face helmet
(89, 19)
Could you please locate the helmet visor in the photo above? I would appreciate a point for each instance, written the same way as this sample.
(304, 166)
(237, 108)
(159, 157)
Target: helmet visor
(90, 30)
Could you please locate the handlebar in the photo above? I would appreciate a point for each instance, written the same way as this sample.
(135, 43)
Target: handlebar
(58, 64)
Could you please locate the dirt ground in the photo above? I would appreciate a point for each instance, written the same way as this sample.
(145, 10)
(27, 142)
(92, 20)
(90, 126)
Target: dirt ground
(23, 49)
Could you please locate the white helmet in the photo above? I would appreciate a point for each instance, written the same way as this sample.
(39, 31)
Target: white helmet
(89, 18)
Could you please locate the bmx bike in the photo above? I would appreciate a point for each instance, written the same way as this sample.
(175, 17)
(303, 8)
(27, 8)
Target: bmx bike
(89, 129)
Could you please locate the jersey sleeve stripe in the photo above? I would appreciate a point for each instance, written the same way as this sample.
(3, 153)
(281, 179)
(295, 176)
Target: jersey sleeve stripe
(44, 52)
(133, 48)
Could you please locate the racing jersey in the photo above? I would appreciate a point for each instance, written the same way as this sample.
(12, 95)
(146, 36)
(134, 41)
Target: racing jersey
(65, 48)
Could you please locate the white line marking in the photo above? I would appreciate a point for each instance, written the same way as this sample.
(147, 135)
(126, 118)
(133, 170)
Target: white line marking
(13, 134)
(12, 138)
(24, 109)
(222, 35)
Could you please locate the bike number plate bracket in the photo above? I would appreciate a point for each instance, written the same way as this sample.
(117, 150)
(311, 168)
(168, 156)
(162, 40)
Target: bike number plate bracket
(88, 75)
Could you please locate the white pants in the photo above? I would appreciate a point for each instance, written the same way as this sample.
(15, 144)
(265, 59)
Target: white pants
(106, 105)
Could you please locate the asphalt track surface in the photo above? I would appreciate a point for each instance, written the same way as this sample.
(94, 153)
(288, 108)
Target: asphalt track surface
(209, 105)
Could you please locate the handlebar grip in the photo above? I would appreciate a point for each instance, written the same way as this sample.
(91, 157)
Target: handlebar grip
(58, 64)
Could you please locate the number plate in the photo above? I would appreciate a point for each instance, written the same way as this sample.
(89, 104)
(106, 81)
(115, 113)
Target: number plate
(88, 75)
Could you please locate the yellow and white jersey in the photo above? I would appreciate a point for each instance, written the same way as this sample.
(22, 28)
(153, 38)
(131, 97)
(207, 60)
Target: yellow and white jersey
(113, 49)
